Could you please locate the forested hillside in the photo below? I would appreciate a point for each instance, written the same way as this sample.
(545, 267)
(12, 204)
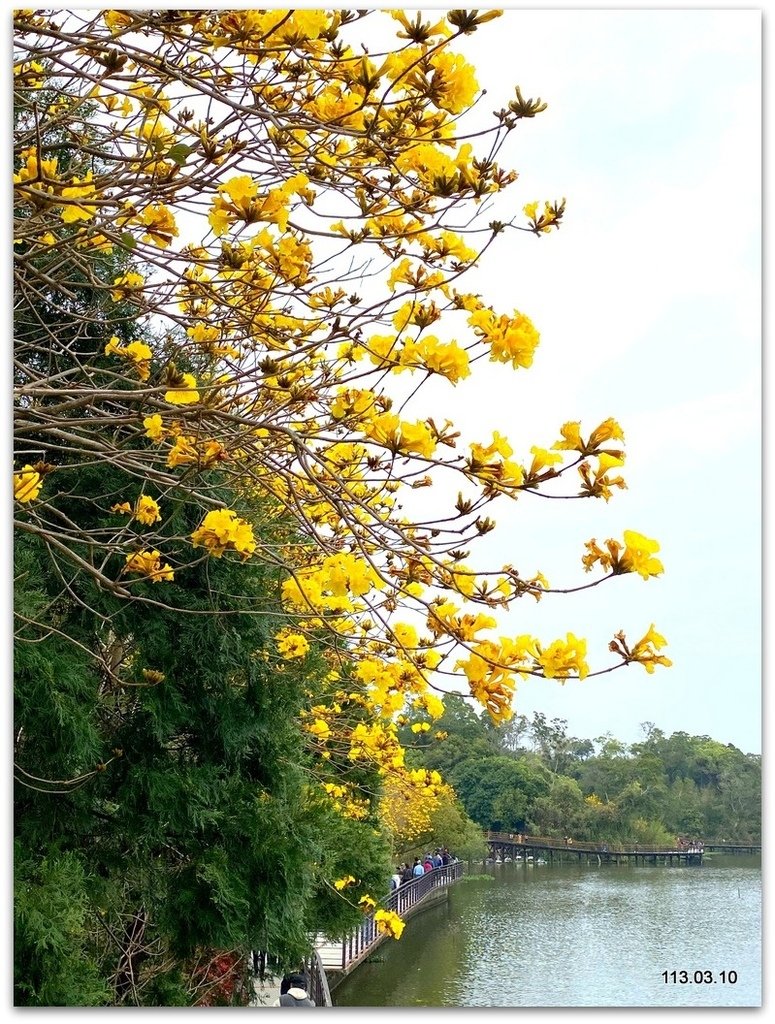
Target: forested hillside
(531, 775)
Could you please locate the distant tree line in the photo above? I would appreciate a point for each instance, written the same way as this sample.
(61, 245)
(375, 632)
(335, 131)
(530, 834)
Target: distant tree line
(532, 776)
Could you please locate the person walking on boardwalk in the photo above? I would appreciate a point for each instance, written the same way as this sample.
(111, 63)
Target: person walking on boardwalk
(296, 994)
(418, 868)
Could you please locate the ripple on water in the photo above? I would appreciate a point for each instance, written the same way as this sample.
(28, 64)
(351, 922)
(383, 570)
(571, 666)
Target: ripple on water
(578, 936)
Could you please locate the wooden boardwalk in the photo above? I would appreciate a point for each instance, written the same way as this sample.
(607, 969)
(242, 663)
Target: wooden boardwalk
(333, 959)
(339, 957)
(724, 846)
(504, 845)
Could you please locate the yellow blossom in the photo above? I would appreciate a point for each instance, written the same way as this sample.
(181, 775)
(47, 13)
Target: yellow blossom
(512, 339)
(571, 438)
(27, 485)
(608, 430)
(136, 352)
(183, 452)
(389, 923)
(320, 729)
(635, 555)
(154, 428)
(292, 645)
(159, 225)
(148, 563)
(645, 650)
(401, 436)
(126, 285)
(147, 510)
(638, 552)
(76, 211)
(405, 635)
(342, 883)
(35, 170)
(117, 20)
(223, 530)
(185, 393)
(454, 79)
(542, 459)
(448, 360)
(430, 703)
(562, 657)
(240, 189)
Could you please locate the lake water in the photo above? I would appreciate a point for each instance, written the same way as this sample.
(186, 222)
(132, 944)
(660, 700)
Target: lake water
(571, 936)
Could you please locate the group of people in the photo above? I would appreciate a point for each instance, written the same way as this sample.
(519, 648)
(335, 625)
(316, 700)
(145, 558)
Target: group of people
(294, 989)
(690, 845)
(408, 872)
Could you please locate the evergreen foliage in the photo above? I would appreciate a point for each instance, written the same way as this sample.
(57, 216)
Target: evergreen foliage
(164, 805)
(531, 776)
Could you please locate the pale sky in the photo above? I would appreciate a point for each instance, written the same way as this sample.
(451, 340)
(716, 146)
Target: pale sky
(648, 302)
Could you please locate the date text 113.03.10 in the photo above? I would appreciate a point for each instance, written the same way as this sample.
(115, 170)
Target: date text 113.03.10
(699, 977)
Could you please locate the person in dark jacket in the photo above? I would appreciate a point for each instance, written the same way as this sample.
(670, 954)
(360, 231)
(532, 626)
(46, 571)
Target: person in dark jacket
(295, 993)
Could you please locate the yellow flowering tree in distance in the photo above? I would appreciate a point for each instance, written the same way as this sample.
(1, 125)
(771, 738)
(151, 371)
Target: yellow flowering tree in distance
(241, 240)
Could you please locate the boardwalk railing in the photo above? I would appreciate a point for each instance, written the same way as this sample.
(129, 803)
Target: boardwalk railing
(553, 843)
(318, 982)
(510, 846)
(344, 954)
(520, 839)
(732, 846)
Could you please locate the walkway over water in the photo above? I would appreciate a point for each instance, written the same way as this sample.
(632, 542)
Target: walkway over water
(510, 844)
(339, 957)
(333, 959)
(514, 845)
(732, 846)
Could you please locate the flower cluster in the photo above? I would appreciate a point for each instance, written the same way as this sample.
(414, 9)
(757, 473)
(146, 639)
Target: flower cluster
(145, 510)
(150, 565)
(27, 485)
(223, 530)
(635, 555)
(264, 361)
(389, 923)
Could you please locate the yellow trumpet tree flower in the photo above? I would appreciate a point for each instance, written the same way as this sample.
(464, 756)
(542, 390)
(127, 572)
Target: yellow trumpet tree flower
(281, 227)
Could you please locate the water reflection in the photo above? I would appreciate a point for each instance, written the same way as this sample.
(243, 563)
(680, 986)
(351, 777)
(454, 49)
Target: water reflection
(569, 935)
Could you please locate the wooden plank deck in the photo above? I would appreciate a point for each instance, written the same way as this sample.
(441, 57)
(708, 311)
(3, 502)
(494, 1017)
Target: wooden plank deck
(516, 842)
(502, 844)
(340, 957)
